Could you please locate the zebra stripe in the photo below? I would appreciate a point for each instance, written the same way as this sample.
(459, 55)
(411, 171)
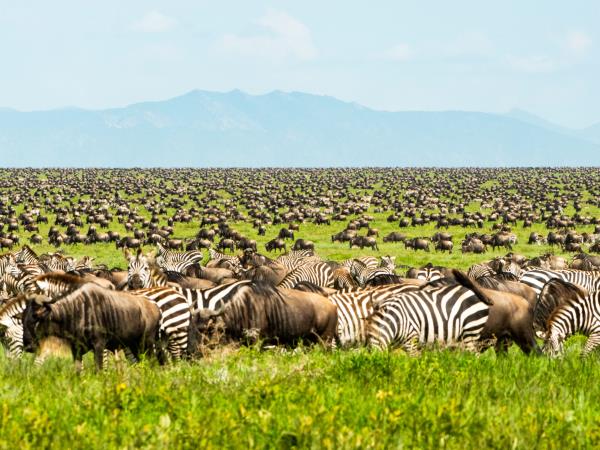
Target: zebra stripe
(11, 318)
(445, 314)
(537, 278)
(172, 261)
(319, 273)
(579, 315)
(356, 306)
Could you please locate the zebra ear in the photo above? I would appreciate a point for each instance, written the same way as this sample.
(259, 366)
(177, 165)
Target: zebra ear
(139, 252)
(127, 254)
(161, 249)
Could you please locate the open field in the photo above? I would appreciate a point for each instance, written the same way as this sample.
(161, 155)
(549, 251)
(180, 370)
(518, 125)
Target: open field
(308, 397)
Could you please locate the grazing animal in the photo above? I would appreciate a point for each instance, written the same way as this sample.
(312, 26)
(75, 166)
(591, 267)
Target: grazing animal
(92, 318)
(565, 309)
(446, 315)
(275, 315)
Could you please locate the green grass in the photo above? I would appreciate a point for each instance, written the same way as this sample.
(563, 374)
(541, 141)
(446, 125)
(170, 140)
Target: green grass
(309, 398)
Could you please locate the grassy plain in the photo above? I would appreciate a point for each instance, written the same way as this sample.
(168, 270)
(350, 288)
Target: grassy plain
(309, 398)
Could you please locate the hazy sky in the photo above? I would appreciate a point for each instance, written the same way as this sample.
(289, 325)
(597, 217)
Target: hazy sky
(542, 56)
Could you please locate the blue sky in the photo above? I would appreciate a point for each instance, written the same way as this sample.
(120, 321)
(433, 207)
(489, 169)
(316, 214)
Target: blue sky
(541, 56)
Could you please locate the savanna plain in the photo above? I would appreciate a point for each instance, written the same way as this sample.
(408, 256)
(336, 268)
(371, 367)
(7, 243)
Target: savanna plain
(308, 396)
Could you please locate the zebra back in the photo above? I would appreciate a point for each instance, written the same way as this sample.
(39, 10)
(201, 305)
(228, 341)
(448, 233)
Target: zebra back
(319, 273)
(172, 261)
(537, 278)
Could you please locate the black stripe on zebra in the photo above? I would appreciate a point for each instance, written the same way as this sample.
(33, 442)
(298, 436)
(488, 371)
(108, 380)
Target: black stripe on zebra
(445, 315)
(172, 261)
(564, 310)
(356, 306)
(319, 273)
(537, 278)
(11, 319)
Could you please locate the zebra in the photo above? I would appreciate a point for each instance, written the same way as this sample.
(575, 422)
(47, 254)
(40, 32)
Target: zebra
(143, 273)
(296, 258)
(362, 274)
(26, 256)
(356, 306)
(437, 313)
(369, 261)
(319, 273)
(480, 270)
(11, 318)
(233, 262)
(172, 261)
(565, 309)
(537, 278)
(7, 263)
(427, 273)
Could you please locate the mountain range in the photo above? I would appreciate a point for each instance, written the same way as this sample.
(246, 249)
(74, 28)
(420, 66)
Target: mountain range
(235, 129)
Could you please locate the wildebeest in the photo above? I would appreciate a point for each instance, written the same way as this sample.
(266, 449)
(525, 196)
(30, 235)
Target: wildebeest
(394, 236)
(226, 244)
(93, 319)
(444, 246)
(303, 244)
(276, 244)
(417, 244)
(364, 241)
(286, 233)
(263, 312)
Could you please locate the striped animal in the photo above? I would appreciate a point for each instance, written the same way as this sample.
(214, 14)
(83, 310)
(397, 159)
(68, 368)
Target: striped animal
(563, 310)
(172, 261)
(537, 278)
(435, 314)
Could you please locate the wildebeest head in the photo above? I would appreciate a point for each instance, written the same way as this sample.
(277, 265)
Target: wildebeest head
(207, 327)
(35, 321)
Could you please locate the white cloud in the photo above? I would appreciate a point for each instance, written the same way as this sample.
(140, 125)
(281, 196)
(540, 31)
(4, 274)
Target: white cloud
(536, 63)
(154, 22)
(280, 36)
(399, 52)
(577, 42)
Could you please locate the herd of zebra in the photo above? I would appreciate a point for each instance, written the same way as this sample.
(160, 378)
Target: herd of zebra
(168, 304)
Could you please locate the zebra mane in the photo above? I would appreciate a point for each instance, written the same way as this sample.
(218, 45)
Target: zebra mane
(555, 294)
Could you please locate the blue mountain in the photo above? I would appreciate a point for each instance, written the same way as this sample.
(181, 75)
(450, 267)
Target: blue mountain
(214, 129)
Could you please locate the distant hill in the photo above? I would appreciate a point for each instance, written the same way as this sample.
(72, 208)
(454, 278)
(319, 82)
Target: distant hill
(284, 129)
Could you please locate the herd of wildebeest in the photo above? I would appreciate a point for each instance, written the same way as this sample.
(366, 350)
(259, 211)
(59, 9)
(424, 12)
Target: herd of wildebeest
(184, 294)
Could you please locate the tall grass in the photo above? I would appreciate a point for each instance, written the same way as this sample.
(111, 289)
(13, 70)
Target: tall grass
(306, 398)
